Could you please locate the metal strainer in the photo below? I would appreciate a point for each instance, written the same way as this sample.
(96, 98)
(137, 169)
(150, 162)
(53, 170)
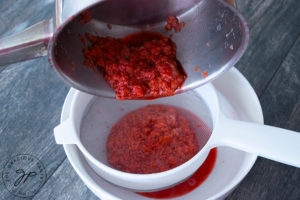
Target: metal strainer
(214, 38)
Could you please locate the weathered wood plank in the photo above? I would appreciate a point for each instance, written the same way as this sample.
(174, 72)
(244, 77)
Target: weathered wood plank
(269, 180)
(281, 100)
(17, 15)
(65, 184)
(274, 27)
(31, 96)
(253, 11)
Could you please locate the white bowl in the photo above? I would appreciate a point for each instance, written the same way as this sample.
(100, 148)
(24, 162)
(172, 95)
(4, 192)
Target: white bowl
(231, 165)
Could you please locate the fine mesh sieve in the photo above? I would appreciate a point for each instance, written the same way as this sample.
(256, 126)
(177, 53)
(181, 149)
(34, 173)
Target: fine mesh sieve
(102, 114)
(91, 119)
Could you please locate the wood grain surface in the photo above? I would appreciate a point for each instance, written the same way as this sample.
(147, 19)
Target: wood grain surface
(31, 98)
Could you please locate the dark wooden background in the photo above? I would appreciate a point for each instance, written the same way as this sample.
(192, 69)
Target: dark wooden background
(31, 98)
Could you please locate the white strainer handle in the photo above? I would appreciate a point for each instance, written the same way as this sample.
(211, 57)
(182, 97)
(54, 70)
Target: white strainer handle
(267, 141)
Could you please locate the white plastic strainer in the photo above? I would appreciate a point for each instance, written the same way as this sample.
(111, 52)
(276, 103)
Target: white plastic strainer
(100, 114)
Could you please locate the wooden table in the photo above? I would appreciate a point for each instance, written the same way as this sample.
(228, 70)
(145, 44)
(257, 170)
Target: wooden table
(31, 98)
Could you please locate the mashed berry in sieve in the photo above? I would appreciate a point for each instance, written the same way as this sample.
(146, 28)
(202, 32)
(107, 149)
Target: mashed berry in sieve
(140, 66)
(151, 139)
